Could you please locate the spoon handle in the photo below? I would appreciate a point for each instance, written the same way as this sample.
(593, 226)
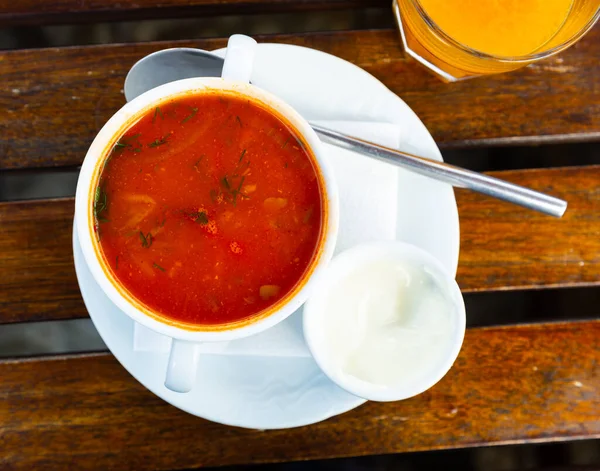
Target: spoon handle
(455, 176)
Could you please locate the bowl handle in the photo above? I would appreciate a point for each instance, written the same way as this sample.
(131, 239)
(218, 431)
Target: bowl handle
(239, 58)
(183, 366)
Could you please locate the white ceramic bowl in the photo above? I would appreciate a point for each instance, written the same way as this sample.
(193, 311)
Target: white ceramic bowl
(352, 261)
(89, 176)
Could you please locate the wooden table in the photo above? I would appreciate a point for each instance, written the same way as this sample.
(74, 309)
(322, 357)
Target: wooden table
(510, 384)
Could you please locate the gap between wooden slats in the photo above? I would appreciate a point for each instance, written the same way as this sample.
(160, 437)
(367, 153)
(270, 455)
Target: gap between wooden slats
(41, 12)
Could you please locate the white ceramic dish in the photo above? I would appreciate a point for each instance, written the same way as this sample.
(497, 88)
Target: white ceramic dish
(185, 346)
(180, 375)
(89, 175)
(349, 264)
(270, 393)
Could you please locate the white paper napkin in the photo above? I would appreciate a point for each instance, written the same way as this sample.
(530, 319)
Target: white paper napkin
(368, 211)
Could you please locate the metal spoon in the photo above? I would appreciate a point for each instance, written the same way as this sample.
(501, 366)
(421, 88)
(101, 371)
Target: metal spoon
(179, 63)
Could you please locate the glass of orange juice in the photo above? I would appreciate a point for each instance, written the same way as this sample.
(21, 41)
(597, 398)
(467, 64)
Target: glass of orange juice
(458, 39)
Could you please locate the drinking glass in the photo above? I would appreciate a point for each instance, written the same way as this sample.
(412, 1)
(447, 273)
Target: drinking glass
(459, 39)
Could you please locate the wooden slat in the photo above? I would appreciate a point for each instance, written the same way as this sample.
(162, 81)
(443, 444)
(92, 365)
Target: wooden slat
(57, 99)
(506, 247)
(514, 384)
(37, 279)
(502, 247)
(73, 11)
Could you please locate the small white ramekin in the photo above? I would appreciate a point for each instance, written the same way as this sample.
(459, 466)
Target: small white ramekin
(349, 262)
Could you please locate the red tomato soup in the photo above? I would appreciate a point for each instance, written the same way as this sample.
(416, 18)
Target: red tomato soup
(208, 209)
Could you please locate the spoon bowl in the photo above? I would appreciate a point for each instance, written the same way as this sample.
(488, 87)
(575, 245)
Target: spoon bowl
(170, 65)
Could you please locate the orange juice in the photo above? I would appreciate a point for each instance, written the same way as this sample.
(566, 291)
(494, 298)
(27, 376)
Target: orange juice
(499, 27)
(463, 38)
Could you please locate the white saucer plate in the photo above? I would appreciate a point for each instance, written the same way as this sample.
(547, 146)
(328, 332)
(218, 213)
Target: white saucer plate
(270, 392)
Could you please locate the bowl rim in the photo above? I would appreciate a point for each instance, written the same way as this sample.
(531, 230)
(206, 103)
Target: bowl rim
(91, 168)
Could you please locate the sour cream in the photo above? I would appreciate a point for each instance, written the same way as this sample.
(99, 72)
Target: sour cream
(389, 322)
(385, 319)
